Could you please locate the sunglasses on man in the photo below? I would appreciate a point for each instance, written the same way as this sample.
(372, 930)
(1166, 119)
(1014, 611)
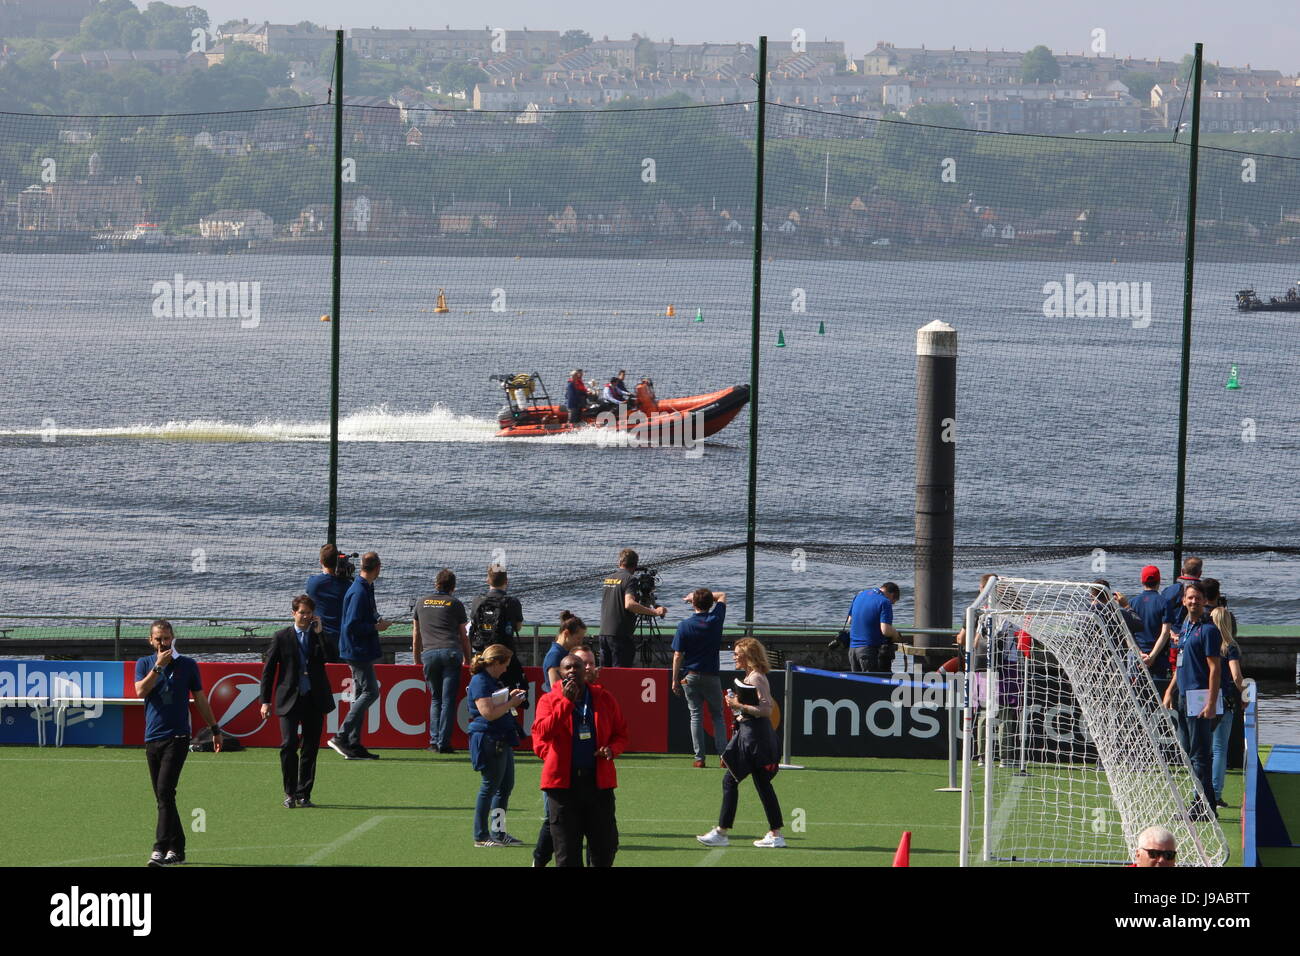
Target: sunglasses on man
(1169, 855)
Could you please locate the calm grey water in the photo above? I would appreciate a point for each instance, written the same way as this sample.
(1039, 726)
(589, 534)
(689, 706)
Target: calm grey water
(154, 465)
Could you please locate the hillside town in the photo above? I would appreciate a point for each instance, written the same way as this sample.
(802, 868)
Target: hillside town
(496, 91)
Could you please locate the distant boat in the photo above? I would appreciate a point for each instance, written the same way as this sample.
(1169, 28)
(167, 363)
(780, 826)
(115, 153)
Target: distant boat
(1248, 301)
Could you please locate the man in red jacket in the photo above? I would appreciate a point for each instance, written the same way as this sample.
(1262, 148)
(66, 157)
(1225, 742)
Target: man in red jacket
(578, 731)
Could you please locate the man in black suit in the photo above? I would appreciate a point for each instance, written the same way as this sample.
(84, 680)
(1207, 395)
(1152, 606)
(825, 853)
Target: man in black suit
(295, 674)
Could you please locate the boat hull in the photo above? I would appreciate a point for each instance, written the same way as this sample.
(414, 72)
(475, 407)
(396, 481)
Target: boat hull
(718, 409)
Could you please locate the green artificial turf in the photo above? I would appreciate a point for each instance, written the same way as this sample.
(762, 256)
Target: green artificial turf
(94, 807)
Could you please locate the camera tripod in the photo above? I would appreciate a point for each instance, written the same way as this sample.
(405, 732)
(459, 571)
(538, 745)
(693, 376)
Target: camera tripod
(652, 651)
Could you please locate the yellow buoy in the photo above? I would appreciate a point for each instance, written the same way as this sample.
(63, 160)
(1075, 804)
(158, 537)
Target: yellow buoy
(442, 302)
(324, 318)
(671, 312)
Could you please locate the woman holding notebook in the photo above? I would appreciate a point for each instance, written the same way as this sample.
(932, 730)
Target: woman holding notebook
(752, 750)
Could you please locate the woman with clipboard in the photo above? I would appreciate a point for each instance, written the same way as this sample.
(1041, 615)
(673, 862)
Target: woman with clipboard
(752, 750)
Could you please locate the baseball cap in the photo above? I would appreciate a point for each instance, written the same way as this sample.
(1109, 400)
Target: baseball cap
(1150, 573)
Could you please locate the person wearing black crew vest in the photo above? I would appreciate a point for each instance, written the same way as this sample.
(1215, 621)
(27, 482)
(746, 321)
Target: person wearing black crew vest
(294, 677)
(578, 731)
(1197, 669)
(618, 610)
(165, 681)
(440, 643)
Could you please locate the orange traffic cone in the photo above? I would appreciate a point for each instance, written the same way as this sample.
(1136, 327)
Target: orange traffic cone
(904, 849)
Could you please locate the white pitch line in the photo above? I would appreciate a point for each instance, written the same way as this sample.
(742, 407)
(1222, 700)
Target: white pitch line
(345, 839)
(712, 857)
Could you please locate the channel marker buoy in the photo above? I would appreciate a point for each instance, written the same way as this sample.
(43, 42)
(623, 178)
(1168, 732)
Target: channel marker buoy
(442, 302)
(780, 338)
(699, 315)
(821, 328)
(670, 312)
(1233, 381)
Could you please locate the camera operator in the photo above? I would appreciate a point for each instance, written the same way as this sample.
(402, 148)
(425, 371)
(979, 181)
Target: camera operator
(326, 590)
(619, 609)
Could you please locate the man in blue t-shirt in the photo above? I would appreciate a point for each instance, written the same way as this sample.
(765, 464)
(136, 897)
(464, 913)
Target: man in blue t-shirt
(327, 590)
(695, 666)
(871, 629)
(1175, 613)
(165, 680)
(1150, 606)
(1197, 670)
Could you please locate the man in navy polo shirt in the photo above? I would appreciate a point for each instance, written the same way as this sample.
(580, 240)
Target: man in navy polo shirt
(1197, 669)
(165, 681)
(1150, 606)
(695, 666)
(1175, 613)
(871, 629)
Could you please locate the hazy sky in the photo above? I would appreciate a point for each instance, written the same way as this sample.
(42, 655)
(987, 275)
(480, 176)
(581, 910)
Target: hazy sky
(1263, 33)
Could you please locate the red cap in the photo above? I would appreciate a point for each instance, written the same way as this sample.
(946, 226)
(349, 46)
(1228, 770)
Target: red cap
(1151, 574)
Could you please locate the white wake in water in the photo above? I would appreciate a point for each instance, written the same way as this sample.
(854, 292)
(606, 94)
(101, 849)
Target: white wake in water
(378, 424)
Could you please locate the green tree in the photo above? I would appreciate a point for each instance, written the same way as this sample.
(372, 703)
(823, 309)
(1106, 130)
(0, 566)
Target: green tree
(937, 114)
(574, 40)
(1039, 66)
(1139, 84)
(459, 76)
(1210, 71)
(271, 70)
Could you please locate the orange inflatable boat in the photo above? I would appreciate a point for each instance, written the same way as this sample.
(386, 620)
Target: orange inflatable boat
(530, 412)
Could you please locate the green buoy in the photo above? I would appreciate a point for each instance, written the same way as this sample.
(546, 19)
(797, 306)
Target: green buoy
(1233, 381)
(780, 338)
(699, 315)
(821, 328)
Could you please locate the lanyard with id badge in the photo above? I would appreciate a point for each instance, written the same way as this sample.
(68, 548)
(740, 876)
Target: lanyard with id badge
(582, 719)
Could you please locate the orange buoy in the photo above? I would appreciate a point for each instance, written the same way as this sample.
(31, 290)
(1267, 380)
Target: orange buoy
(324, 318)
(671, 312)
(442, 303)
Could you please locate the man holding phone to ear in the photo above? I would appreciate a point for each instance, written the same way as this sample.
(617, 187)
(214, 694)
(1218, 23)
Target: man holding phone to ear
(165, 680)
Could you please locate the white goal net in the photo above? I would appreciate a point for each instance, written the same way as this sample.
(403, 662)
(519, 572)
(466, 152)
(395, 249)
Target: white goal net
(1070, 755)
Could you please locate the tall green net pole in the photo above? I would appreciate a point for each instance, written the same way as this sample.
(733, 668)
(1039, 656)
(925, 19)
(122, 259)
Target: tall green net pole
(1188, 275)
(337, 284)
(752, 520)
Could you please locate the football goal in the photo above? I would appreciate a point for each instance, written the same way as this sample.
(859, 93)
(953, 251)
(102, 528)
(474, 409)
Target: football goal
(1067, 753)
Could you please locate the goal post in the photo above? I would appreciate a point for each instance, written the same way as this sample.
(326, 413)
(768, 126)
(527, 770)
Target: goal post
(1068, 754)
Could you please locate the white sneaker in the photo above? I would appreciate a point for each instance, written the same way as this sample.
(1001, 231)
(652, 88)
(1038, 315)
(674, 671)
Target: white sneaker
(774, 840)
(714, 837)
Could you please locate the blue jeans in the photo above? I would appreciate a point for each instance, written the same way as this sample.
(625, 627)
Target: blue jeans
(442, 674)
(1197, 735)
(494, 792)
(701, 689)
(1222, 739)
(365, 688)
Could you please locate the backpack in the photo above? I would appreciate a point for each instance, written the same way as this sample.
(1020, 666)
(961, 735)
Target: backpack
(490, 625)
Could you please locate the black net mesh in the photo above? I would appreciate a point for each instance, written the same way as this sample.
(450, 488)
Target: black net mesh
(165, 405)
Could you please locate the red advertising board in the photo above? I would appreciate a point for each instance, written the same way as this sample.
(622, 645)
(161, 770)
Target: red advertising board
(400, 718)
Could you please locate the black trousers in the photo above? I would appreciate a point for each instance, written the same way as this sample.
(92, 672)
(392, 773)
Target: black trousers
(299, 773)
(166, 759)
(617, 651)
(731, 797)
(583, 811)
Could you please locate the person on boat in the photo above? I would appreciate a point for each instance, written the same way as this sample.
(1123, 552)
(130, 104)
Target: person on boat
(618, 385)
(611, 397)
(1290, 294)
(575, 396)
(645, 396)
